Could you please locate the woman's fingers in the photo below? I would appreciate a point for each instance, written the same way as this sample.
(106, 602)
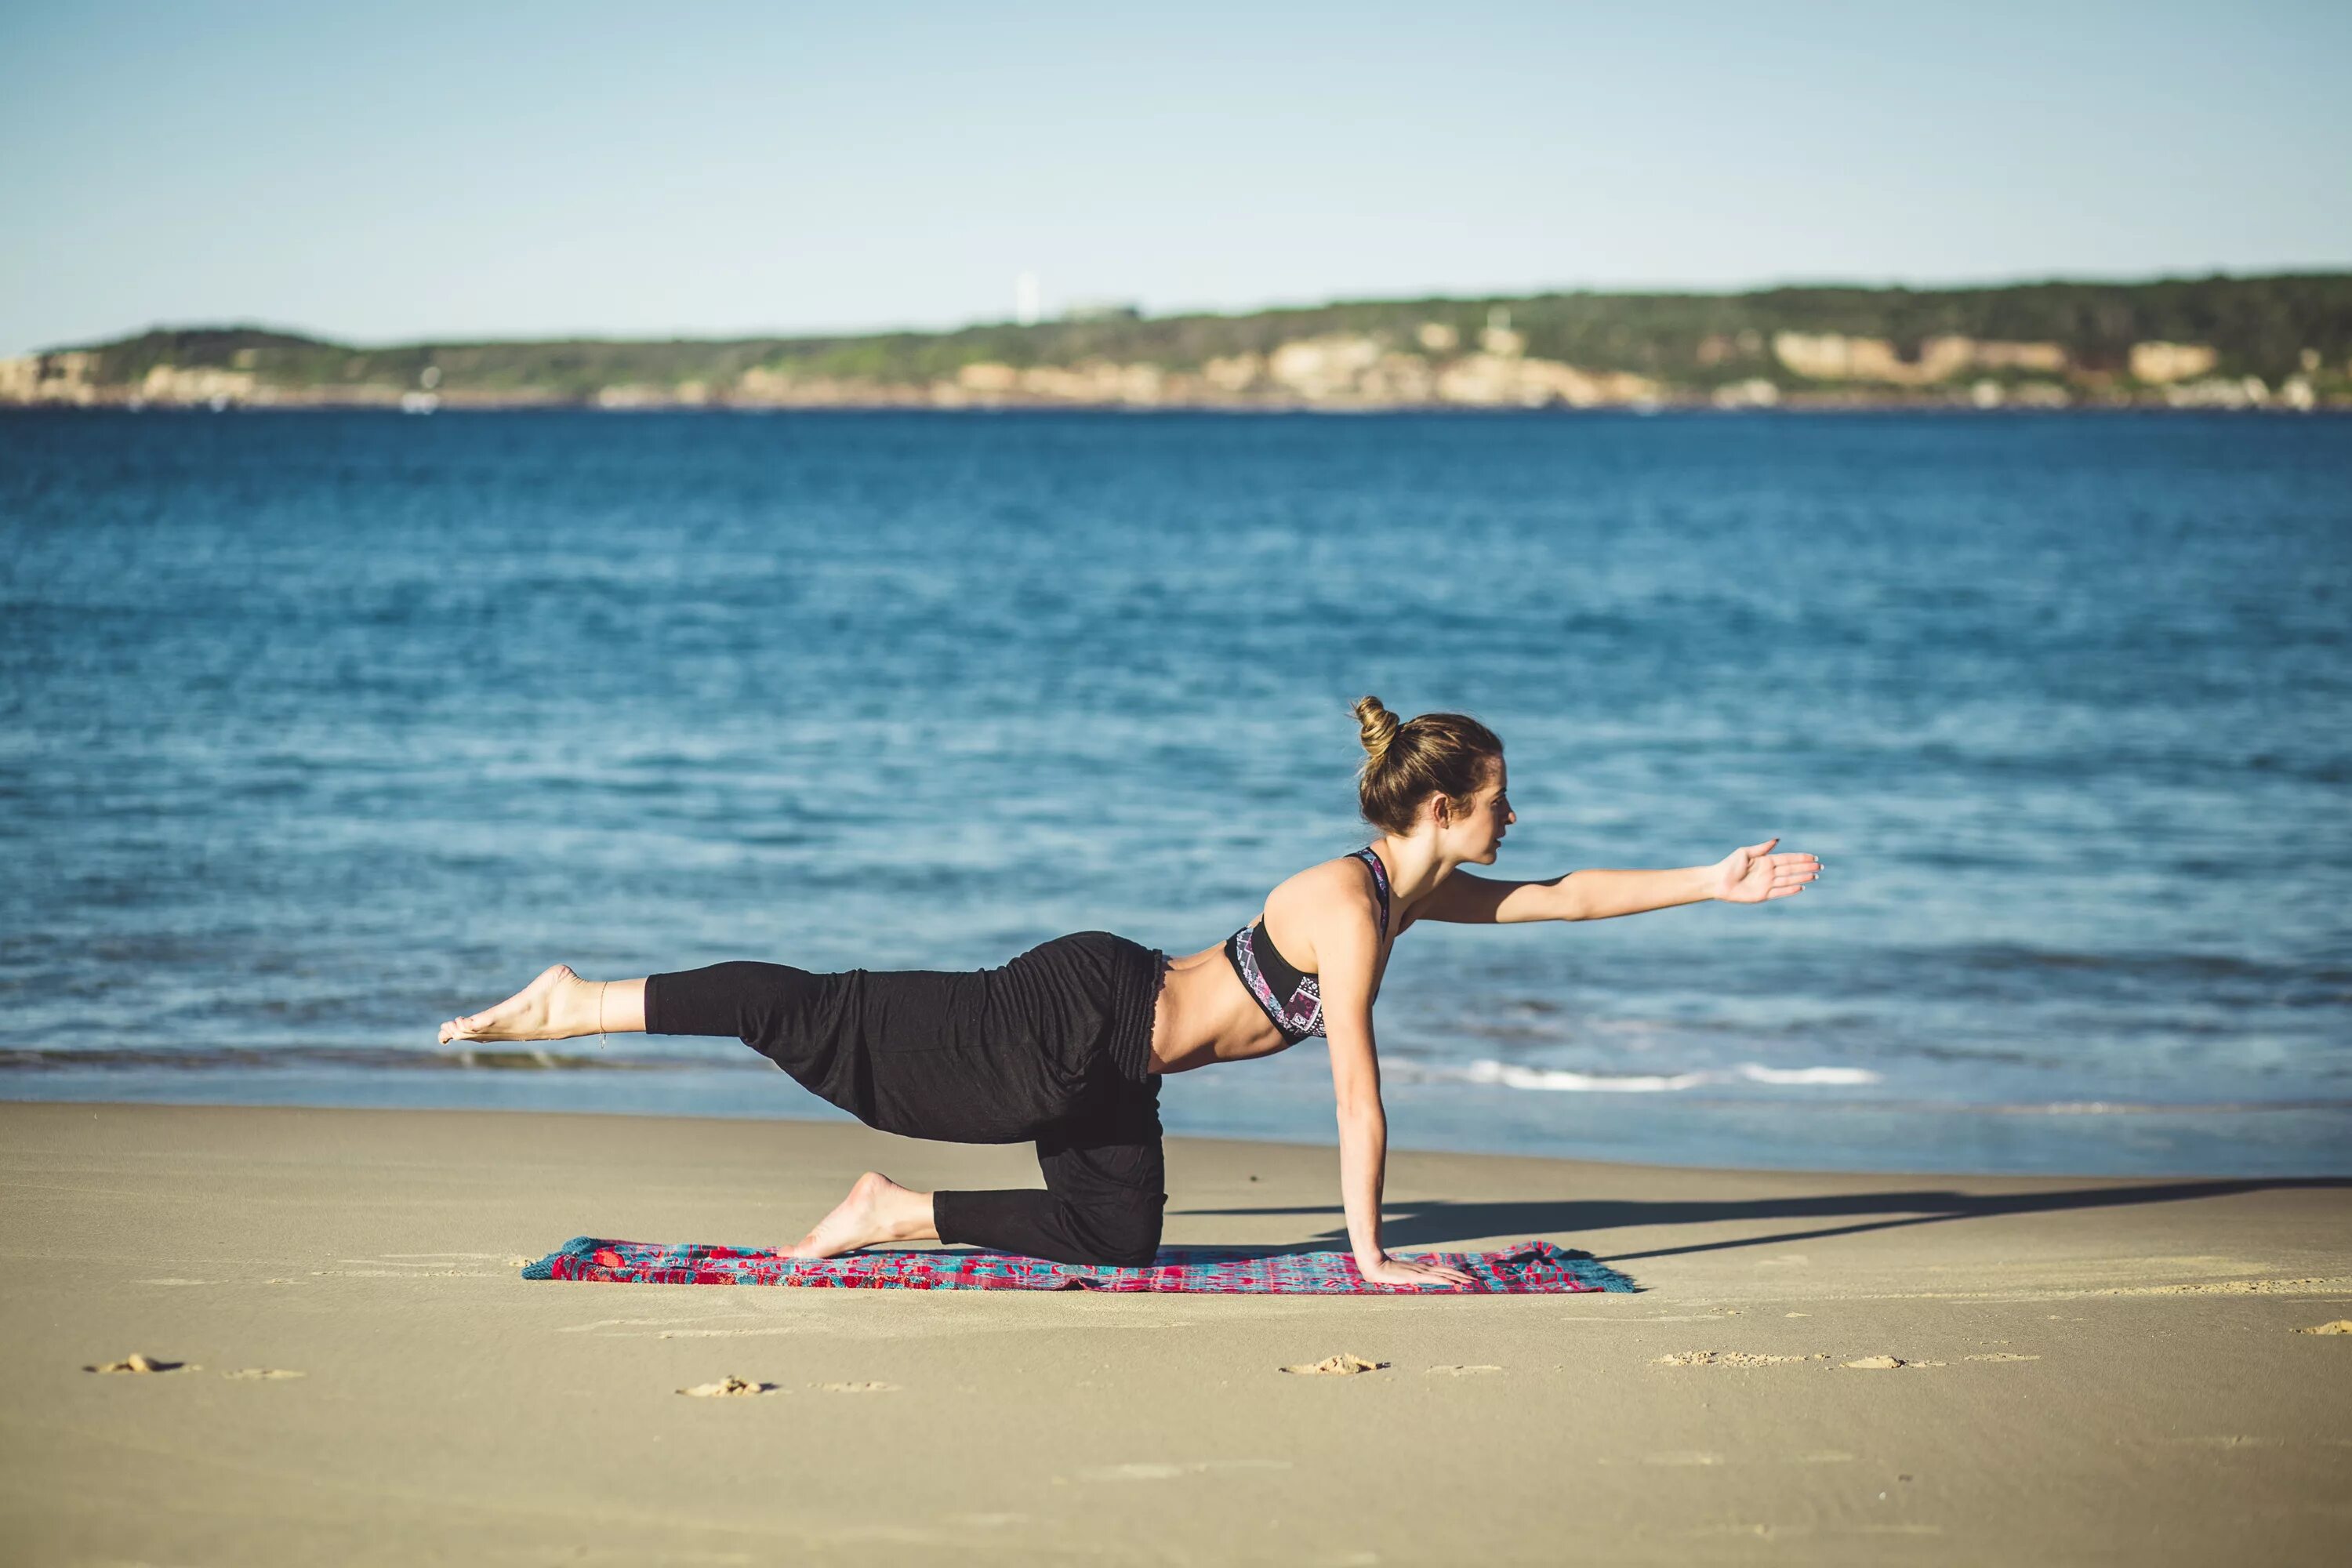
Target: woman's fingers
(1423, 1270)
(1441, 1272)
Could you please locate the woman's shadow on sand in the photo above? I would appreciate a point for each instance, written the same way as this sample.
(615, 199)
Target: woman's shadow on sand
(1439, 1221)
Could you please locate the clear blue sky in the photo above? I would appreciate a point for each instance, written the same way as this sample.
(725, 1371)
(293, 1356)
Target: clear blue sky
(380, 172)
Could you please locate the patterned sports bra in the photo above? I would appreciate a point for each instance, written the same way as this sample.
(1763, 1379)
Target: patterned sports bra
(1293, 1000)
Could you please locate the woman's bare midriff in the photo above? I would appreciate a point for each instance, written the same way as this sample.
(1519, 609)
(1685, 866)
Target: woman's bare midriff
(1206, 1014)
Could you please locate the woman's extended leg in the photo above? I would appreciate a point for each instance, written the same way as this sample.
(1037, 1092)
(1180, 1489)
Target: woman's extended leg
(558, 1005)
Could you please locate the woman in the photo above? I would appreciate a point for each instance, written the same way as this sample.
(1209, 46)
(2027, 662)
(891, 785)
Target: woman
(1066, 1044)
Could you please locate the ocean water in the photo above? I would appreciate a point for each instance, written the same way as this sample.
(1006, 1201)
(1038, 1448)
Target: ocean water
(320, 728)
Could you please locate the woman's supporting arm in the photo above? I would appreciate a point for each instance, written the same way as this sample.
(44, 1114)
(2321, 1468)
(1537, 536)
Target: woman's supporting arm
(1363, 1170)
(1347, 947)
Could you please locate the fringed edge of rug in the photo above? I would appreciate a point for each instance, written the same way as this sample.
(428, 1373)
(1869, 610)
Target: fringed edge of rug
(1592, 1270)
(578, 1246)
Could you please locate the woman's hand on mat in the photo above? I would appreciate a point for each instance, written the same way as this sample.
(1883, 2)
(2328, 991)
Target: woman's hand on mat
(1404, 1271)
(1752, 875)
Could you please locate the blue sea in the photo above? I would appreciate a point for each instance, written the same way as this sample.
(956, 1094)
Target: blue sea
(321, 728)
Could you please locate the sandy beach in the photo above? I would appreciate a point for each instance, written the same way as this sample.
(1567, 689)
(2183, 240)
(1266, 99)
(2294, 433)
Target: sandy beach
(2091, 1371)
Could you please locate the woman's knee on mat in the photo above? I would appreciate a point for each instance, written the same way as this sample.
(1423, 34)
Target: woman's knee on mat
(1124, 1231)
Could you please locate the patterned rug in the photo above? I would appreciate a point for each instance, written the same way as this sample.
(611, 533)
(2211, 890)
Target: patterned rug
(1530, 1269)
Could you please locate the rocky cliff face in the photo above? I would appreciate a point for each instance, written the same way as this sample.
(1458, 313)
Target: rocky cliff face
(1560, 352)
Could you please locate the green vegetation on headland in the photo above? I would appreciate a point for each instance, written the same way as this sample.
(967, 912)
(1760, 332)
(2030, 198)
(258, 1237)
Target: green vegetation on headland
(2279, 341)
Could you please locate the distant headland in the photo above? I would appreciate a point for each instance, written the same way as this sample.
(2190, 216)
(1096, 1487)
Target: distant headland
(2280, 343)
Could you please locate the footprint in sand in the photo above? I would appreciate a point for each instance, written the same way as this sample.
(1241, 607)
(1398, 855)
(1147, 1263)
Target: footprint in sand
(2340, 1326)
(730, 1388)
(263, 1373)
(1461, 1371)
(135, 1362)
(857, 1387)
(1340, 1365)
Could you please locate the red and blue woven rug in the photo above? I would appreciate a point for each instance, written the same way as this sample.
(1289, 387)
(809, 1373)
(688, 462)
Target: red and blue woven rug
(1530, 1269)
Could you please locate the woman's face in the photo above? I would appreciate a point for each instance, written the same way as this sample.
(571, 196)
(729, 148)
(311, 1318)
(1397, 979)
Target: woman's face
(1478, 833)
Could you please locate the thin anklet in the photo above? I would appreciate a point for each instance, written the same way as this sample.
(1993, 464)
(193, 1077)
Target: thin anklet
(602, 1043)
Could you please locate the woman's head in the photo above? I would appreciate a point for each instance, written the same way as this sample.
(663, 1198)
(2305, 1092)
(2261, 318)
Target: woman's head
(1440, 766)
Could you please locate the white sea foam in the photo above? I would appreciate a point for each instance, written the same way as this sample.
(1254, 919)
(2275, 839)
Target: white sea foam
(1756, 1073)
(1513, 1077)
(1511, 1074)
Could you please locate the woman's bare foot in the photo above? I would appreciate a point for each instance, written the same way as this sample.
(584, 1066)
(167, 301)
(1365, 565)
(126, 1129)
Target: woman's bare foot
(558, 1005)
(877, 1209)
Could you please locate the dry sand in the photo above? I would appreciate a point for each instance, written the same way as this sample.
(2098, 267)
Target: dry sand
(1819, 1369)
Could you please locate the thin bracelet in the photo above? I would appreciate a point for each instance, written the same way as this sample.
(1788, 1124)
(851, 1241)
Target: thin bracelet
(602, 1043)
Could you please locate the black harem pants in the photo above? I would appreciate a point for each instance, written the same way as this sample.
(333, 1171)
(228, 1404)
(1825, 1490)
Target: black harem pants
(1054, 1046)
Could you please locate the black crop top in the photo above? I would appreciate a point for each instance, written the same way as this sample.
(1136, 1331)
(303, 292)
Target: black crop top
(1293, 1000)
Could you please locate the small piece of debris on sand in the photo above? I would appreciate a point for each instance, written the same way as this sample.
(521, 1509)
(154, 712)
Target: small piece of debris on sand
(1461, 1371)
(730, 1387)
(2340, 1326)
(135, 1361)
(1877, 1363)
(1337, 1367)
(263, 1373)
(1735, 1358)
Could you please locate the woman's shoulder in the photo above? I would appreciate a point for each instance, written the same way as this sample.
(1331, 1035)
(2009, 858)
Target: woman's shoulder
(1340, 880)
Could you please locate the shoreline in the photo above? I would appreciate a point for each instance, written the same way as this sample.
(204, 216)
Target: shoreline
(2090, 1368)
(1786, 1132)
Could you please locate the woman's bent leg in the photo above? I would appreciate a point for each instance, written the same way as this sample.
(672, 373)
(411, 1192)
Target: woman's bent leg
(1105, 1179)
(877, 1209)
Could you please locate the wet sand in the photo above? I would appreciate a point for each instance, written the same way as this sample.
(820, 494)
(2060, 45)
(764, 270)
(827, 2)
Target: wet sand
(1817, 1369)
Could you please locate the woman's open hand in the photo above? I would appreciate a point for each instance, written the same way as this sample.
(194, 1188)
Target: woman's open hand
(1752, 875)
(1405, 1271)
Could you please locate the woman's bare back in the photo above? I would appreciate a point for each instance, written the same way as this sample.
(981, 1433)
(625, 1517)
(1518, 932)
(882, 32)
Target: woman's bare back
(1206, 1014)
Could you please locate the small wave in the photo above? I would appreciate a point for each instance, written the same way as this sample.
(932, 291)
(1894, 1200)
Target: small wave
(1756, 1073)
(1512, 1075)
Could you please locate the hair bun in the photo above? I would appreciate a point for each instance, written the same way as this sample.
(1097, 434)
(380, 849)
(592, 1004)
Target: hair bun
(1376, 726)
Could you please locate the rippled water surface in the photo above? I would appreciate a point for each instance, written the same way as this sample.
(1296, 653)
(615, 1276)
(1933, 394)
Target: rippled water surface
(321, 728)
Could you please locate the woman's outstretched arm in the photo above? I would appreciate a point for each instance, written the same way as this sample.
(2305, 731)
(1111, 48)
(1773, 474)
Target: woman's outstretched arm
(1747, 876)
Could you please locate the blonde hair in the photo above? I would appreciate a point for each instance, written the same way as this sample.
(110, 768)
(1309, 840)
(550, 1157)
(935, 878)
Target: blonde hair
(1449, 755)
